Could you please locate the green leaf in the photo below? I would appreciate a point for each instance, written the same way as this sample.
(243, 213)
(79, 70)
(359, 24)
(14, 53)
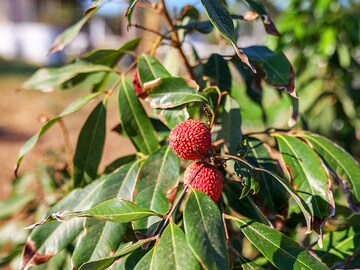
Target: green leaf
(345, 167)
(264, 16)
(150, 69)
(205, 232)
(135, 121)
(90, 147)
(276, 68)
(282, 251)
(48, 79)
(109, 57)
(173, 251)
(271, 192)
(308, 177)
(70, 33)
(221, 19)
(158, 175)
(130, 10)
(6, 258)
(101, 238)
(172, 117)
(147, 262)
(15, 204)
(46, 241)
(244, 206)
(104, 263)
(117, 163)
(172, 92)
(217, 69)
(114, 210)
(72, 108)
(338, 245)
(231, 125)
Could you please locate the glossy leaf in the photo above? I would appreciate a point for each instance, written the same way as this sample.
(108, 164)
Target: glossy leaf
(147, 262)
(244, 206)
(172, 92)
(124, 249)
(345, 167)
(172, 117)
(130, 10)
(135, 121)
(221, 19)
(108, 57)
(338, 245)
(100, 238)
(173, 251)
(114, 210)
(48, 79)
(271, 192)
(158, 175)
(90, 147)
(259, 8)
(205, 232)
(308, 177)
(282, 251)
(72, 108)
(46, 241)
(275, 66)
(217, 69)
(117, 163)
(14, 204)
(70, 33)
(150, 69)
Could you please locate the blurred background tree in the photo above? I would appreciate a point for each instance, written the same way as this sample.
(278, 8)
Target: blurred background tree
(322, 39)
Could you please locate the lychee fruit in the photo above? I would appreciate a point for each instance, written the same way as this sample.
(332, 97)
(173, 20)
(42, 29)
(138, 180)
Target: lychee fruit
(136, 82)
(190, 139)
(207, 179)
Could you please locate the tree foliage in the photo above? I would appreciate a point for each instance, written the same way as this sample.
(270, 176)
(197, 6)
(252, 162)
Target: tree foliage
(289, 195)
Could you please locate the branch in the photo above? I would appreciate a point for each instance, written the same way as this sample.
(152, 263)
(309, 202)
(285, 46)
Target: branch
(175, 38)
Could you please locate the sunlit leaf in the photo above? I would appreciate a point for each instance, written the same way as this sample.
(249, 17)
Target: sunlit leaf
(124, 249)
(135, 121)
(100, 238)
(158, 175)
(221, 19)
(70, 33)
(282, 251)
(345, 167)
(205, 232)
(308, 177)
(173, 251)
(172, 92)
(48, 79)
(72, 108)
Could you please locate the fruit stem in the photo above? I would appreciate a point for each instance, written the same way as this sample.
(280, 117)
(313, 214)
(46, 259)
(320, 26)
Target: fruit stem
(178, 201)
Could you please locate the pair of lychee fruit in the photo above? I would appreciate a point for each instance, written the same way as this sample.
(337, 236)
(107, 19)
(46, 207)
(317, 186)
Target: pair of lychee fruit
(191, 140)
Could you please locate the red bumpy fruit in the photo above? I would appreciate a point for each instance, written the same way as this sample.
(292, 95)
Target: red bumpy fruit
(209, 179)
(190, 139)
(136, 82)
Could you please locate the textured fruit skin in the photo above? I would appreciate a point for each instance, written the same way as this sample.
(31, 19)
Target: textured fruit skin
(208, 180)
(190, 139)
(136, 82)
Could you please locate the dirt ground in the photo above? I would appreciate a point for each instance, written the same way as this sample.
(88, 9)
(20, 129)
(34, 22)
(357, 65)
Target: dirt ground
(19, 120)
